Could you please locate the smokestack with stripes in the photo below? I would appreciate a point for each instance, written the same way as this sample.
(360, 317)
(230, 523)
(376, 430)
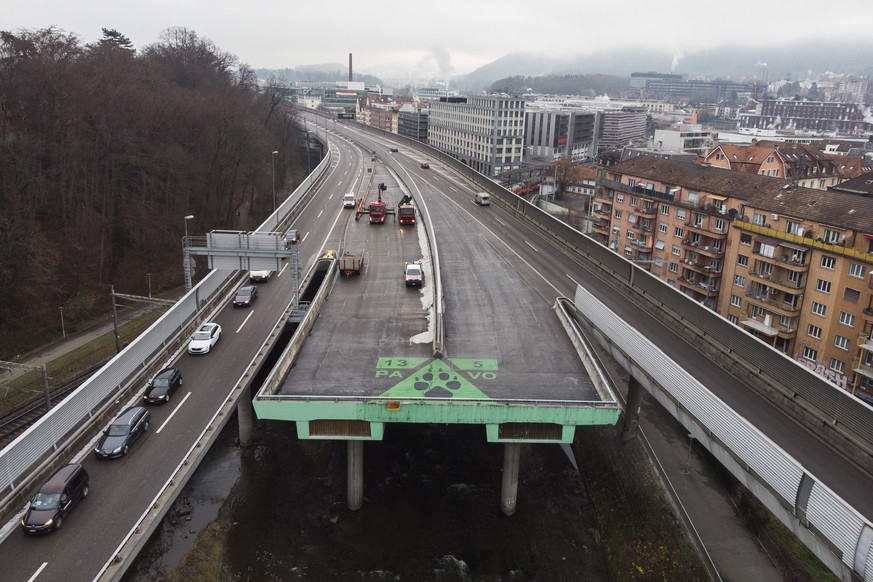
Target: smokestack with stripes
(350, 67)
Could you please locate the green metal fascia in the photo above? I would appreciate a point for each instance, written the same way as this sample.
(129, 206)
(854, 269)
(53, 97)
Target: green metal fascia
(444, 412)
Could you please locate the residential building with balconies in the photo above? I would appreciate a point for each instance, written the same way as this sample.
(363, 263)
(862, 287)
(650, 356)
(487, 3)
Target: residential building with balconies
(790, 265)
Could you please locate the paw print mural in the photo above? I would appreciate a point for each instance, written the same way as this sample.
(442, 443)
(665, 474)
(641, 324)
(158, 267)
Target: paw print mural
(443, 385)
(435, 379)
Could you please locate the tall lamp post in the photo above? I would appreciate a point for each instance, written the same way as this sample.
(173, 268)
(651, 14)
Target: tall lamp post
(274, 186)
(186, 256)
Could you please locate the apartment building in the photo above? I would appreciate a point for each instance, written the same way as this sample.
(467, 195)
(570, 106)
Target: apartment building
(486, 132)
(805, 165)
(412, 121)
(619, 128)
(552, 134)
(790, 265)
(820, 117)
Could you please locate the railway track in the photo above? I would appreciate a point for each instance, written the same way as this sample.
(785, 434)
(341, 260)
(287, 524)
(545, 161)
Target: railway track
(28, 413)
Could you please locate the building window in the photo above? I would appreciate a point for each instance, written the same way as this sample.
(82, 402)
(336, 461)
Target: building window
(631, 182)
(665, 209)
(818, 308)
(633, 201)
(847, 319)
(679, 231)
(733, 319)
(618, 213)
(629, 234)
(676, 250)
(809, 353)
(831, 236)
(736, 301)
(837, 365)
(823, 285)
(828, 263)
(743, 260)
(680, 214)
(662, 228)
(813, 331)
(739, 281)
(856, 270)
(619, 197)
(674, 267)
(628, 251)
(841, 342)
(759, 219)
(719, 225)
(851, 295)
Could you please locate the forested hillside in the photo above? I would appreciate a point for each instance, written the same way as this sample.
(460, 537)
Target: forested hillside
(104, 150)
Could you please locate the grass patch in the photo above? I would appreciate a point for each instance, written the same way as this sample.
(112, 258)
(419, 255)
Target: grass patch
(29, 386)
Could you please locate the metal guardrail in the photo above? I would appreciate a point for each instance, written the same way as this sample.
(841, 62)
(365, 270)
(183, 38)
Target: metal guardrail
(52, 440)
(793, 493)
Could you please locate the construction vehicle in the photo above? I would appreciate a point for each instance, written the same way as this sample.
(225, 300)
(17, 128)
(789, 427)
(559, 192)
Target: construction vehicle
(377, 209)
(406, 210)
(350, 263)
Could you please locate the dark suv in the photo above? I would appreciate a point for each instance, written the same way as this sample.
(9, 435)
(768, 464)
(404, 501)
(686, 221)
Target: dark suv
(55, 499)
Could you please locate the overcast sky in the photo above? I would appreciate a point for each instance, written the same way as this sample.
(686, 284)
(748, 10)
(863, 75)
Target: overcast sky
(446, 37)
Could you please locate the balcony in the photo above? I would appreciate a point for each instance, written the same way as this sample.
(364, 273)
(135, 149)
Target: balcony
(774, 279)
(638, 190)
(770, 301)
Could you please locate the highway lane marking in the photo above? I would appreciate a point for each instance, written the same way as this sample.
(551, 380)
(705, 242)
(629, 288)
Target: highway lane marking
(251, 313)
(282, 270)
(305, 235)
(531, 246)
(172, 414)
(38, 571)
(320, 212)
(500, 221)
(578, 284)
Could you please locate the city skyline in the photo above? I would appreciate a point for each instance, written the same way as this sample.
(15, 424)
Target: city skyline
(449, 39)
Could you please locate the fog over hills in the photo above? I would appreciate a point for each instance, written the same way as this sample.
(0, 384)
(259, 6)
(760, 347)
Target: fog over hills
(767, 64)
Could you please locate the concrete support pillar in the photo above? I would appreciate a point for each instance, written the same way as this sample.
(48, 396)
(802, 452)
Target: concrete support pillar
(355, 474)
(509, 490)
(244, 418)
(632, 411)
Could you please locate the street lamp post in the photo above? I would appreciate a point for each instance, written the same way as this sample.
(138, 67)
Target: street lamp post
(274, 187)
(186, 256)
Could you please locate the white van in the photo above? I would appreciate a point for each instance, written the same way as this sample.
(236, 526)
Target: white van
(483, 199)
(349, 200)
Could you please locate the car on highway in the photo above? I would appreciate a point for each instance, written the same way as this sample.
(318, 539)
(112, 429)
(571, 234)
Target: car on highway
(425, 165)
(292, 237)
(349, 200)
(393, 150)
(245, 296)
(162, 385)
(260, 276)
(56, 499)
(120, 435)
(413, 274)
(204, 339)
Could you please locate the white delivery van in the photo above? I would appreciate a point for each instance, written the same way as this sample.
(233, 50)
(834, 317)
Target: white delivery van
(483, 199)
(349, 200)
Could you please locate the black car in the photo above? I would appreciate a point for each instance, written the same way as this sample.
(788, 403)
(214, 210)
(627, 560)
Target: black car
(292, 237)
(55, 499)
(245, 296)
(123, 432)
(162, 385)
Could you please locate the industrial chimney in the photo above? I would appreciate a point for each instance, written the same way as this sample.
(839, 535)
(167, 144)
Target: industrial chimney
(350, 67)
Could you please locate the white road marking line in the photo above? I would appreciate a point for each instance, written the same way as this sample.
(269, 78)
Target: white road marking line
(282, 270)
(319, 214)
(38, 571)
(252, 312)
(500, 221)
(531, 246)
(578, 284)
(172, 414)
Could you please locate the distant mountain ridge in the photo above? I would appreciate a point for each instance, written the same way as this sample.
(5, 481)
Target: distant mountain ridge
(727, 62)
(735, 62)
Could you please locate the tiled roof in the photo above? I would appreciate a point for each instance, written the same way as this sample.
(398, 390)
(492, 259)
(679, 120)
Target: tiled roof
(764, 192)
